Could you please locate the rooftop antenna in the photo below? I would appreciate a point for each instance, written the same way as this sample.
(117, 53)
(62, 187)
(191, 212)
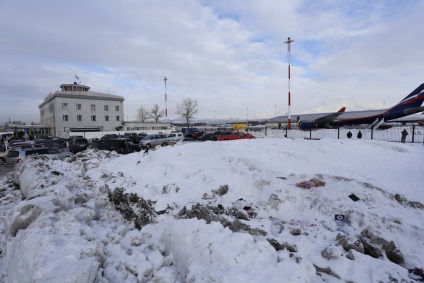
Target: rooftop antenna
(77, 80)
(288, 42)
(166, 100)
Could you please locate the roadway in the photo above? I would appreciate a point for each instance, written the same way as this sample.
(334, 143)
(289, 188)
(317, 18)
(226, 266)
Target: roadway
(4, 170)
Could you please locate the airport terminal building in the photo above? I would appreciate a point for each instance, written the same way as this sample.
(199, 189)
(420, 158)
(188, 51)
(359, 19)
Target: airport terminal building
(74, 108)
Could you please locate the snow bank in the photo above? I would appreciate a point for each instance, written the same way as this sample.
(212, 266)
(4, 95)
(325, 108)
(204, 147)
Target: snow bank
(66, 225)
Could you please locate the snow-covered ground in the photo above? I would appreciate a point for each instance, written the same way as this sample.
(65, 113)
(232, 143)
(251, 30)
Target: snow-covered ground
(181, 214)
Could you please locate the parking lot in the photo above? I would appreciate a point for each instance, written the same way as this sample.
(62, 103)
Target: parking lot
(4, 170)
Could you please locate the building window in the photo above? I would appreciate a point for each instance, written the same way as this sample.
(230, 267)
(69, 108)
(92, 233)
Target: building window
(93, 118)
(106, 118)
(51, 108)
(117, 118)
(42, 112)
(64, 106)
(78, 106)
(93, 107)
(106, 107)
(65, 118)
(116, 108)
(79, 118)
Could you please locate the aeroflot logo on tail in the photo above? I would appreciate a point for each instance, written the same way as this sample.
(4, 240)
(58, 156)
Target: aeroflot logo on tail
(413, 97)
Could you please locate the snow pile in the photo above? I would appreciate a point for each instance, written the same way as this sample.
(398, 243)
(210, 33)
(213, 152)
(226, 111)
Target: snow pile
(218, 212)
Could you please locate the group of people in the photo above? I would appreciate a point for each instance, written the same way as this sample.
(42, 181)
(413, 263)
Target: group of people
(359, 135)
(4, 142)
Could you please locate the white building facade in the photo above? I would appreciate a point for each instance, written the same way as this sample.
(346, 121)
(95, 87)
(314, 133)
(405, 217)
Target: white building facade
(77, 109)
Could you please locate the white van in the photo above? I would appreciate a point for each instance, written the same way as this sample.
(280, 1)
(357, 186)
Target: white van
(175, 136)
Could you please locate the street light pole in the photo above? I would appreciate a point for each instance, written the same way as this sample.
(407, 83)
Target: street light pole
(288, 42)
(166, 100)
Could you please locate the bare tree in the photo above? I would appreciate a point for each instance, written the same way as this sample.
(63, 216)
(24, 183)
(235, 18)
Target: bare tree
(143, 114)
(156, 113)
(187, 109)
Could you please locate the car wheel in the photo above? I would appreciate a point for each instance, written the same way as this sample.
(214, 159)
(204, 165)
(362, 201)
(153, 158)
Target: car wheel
(164, 144)
(1, 161)
(148, 145)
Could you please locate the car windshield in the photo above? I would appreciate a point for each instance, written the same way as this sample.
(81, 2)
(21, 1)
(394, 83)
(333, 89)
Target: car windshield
(13, 153)
(37, 151)
(81, 141)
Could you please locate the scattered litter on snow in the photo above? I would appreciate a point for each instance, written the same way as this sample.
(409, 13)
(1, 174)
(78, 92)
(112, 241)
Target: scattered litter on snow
(353, 197)
(312, 183)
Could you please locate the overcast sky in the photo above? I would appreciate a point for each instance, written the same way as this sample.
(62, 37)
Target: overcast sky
(229, 55)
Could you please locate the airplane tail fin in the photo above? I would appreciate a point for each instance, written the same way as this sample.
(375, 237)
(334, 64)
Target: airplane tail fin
(411, 102)
(415, 98)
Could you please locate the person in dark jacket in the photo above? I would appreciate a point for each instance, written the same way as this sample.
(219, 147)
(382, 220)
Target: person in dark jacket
(404, 134)
(359, 136)
(349, 135)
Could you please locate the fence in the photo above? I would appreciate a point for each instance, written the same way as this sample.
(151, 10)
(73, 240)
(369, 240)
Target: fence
(393, 134)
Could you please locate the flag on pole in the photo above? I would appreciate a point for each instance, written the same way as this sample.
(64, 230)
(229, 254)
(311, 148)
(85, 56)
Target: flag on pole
(76, 77)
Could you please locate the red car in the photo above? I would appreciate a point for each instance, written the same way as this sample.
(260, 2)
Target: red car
(235, 136)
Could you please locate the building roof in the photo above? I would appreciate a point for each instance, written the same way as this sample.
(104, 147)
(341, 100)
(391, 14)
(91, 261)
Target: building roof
(81, 92)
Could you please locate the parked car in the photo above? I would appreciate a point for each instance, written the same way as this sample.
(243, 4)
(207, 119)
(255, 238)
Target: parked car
(140, 136)
(119, 145)
(132, 137)
(209, 137)
(12, 142)
(20, 144)
(17, 146)
(54, 143)
(14, 156)
(109, 137)
(175, 136)
(154, 140)
(72, 139)
(187, 140)
(194, 135)
(62, 142)
(3, 157)
(79, 145)
(235, 136)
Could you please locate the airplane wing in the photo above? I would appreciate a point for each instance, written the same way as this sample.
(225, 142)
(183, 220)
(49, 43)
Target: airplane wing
(330, 117)
(320, 118)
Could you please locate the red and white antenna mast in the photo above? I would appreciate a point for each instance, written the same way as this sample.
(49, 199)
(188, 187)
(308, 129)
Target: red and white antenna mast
(166, 100)
(288, 42)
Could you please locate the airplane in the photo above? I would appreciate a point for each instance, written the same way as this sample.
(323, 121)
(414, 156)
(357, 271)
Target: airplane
(411, 104)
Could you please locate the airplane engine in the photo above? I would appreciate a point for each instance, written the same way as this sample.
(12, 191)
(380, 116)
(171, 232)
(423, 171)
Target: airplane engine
(307, 125)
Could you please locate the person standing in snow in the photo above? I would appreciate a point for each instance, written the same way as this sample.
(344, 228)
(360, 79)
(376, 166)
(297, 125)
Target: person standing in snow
(359, 136)
(404, 134)
(349, 135)
(6, 144)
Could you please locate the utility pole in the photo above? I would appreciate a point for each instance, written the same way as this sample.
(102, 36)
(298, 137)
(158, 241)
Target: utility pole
(288, 42)
(247, 125)
(166, 100)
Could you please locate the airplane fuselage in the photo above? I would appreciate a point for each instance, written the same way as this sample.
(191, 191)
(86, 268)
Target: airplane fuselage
(409, 105)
